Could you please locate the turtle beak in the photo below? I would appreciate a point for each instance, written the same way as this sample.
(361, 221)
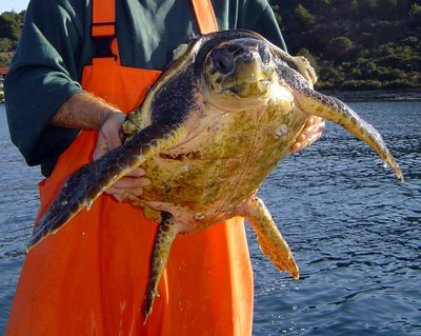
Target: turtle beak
(241, 68)
(251, 77)
(254, 63)
(249, 68)
(253, 70)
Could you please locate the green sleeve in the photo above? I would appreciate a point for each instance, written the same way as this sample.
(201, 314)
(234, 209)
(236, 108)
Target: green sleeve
(42, 76)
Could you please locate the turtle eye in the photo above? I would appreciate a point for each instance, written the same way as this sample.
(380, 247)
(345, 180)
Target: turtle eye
(223, 61)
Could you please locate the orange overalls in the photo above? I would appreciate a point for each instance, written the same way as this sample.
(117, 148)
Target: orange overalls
(90, 278)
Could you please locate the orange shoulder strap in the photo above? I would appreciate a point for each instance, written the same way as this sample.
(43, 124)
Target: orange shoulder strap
(103, 18)
(103, 29)
(205, 16)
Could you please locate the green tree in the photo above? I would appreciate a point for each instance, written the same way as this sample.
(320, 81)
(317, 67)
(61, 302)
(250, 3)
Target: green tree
(10, 25)
(304, 16)
(365, 43)
(5, 58)
(5, 44)
(415, 15)
(340, 47)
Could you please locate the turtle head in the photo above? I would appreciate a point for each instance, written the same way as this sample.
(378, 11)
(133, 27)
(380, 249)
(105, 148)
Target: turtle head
(239, 69)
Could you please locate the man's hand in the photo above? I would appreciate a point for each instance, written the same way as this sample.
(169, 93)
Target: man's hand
(311, 132)
(108, 138)
(85, 111)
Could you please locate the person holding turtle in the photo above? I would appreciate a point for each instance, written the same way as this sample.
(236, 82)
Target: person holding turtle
(79, 68)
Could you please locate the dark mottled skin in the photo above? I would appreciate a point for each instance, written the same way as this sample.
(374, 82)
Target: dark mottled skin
(169, 105)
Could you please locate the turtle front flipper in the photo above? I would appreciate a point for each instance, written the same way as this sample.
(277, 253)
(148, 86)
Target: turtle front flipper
(91, 180)
(167, 231)
(270, 239)
(331, 108)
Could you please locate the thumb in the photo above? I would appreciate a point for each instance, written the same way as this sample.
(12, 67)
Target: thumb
(109, 134)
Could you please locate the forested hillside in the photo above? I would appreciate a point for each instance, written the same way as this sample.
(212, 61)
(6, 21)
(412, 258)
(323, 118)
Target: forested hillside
(356, 44)
(353, 44)
(10, 26)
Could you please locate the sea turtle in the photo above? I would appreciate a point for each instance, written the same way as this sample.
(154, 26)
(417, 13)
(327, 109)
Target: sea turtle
(215, 124)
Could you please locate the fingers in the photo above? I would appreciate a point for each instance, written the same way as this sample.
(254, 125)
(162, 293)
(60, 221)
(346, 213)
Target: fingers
(128, 186)
(311, 132)
(138, 172)
(101, 148)
(109, 134)
(109, 138)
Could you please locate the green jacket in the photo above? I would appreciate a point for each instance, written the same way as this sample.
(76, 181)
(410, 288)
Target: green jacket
(56, 44)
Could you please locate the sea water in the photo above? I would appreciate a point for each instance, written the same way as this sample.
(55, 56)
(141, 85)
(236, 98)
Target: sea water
(355, 231)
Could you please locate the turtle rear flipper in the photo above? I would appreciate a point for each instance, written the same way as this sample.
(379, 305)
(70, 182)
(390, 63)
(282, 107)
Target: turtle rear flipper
(90, 181)
(167, 231)
(270, 239)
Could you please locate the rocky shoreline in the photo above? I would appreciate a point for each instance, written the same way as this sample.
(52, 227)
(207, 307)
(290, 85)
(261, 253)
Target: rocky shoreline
(376, 95)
